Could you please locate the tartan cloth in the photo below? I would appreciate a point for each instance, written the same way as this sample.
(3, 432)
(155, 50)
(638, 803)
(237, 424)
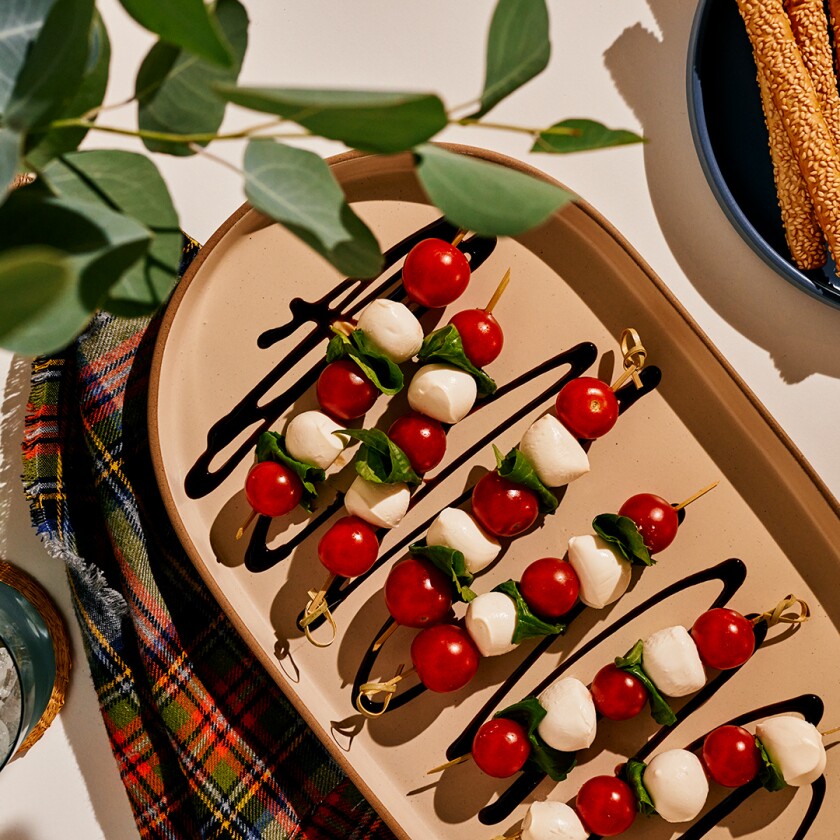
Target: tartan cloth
(207, 745)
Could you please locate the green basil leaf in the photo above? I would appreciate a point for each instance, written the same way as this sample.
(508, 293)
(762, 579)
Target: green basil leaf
(188, 24)
(174, 88)
(588, 135)
(632, 664)
(517, 468)
(622, 532)
(528, 713)
(528, 625)
(130, 183)
(518, 48)
(445, 345)
(384, 373)
(373, 121)
(452, 563)
(770, 774)
(20, 24)
(380, 460)
(633, 772)
(10, 148)
(296, 188)
(484, 197)
(271, 446)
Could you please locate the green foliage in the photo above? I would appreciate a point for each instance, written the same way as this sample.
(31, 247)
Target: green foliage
(632, 663)
(528, 625)
(621, 531)
(770, 775)
(272, 447)
(20, 23)
(517, 468)
(452, 563)
(633, 772)
(587, 134)
(10, 144)
(380, 460)
(382, 371)
(445, 346)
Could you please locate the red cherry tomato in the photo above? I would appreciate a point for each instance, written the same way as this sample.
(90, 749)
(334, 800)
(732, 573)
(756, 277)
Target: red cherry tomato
(587, 407)
(344, 391)
(272, 489)
(445, 657)
(417, 593)
(550, 587)
(421, 438)
(724, 638)
(606, 805)
(656, 520)
(435, 273)
(503, 507)
(617, 695)
(481, 335)
(731, 756)
(501, 747)
(349, 548)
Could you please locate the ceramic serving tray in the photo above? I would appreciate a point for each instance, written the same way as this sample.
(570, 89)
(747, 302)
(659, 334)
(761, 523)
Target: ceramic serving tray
(575, 280)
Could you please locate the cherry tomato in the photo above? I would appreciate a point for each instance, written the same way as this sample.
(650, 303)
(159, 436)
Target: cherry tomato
(587, 407)
(349, 548)
(731, 756)
(445, 657)
(503, 507)
(481, 335)
(417, 593)
(606, 805)
(421, 438)
(550, 587)
(617, 695)
(724, 638)
(435, 273)
(344, 391)
(272, 489)
(655, 518)
(501, 747)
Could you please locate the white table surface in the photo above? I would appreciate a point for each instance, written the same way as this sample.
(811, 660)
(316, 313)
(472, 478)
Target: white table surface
(622, 63)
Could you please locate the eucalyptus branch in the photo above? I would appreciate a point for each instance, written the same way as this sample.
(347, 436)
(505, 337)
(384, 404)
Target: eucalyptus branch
(200, 150)
(519, 129)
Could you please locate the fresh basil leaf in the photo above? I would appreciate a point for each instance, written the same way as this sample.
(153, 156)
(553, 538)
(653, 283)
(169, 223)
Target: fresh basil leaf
(445, 345)
(588, 135)
(297, 188)
(770, 774)
(622, 532)
(373, 121)
(632, 664)
(20, 24)
(384, 373)
(452, 563)
(484, 197)
(380, 460)
(518, 48)
(528, 713)
(528, 625)
(517, 468)
(271, 446)
(633, 772)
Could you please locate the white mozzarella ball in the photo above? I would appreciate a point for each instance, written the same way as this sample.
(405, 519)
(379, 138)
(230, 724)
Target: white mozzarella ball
(570, 722)
(382, 505)
(393, 328)
(455, 528)
(603, 573)
(796, 746)
(491, 621)
(677, 784)
(443, 392)
(310, 439)
(552, 821)
(553, 452)
(670, 658)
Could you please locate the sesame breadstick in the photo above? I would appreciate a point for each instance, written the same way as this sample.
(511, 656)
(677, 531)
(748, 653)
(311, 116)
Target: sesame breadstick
(834, 20)
(793, 93)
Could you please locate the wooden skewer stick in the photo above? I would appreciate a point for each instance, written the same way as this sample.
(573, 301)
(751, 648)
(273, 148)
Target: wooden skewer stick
(384, 637)
(316, 608)
(696, 496)
(778, 614)
(459, 238)
(500, 290)
(830, 731)
(244, 526)
(370, 690)
(320, 595)
(460, 760)
(634, 358)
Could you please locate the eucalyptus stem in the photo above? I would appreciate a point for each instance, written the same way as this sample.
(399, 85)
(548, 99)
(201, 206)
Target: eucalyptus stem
(519, 129)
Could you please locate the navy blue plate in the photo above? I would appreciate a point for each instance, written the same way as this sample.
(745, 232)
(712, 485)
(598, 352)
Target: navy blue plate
(724, 108)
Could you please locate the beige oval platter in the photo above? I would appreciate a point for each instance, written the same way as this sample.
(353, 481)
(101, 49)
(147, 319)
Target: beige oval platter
(574, 280)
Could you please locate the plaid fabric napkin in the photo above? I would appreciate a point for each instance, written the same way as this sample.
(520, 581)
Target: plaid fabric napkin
(207, 745)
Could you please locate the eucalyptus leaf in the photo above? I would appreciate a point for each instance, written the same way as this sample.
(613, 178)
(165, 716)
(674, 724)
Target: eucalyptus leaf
(621, 531)
(633, 772)
(528, 625)
(296, 188)
(445, 345)
(770, 775)
(10, 148)
(632, 664)
(188, 24)
(484, 197)
(382, 371)
(271, 446)
(373, 121)
(588, 135)
(380, 460)
(54, 66)
(20, 23)
(518, 48)
(174, 87)
(452, 563)
(517, 468)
